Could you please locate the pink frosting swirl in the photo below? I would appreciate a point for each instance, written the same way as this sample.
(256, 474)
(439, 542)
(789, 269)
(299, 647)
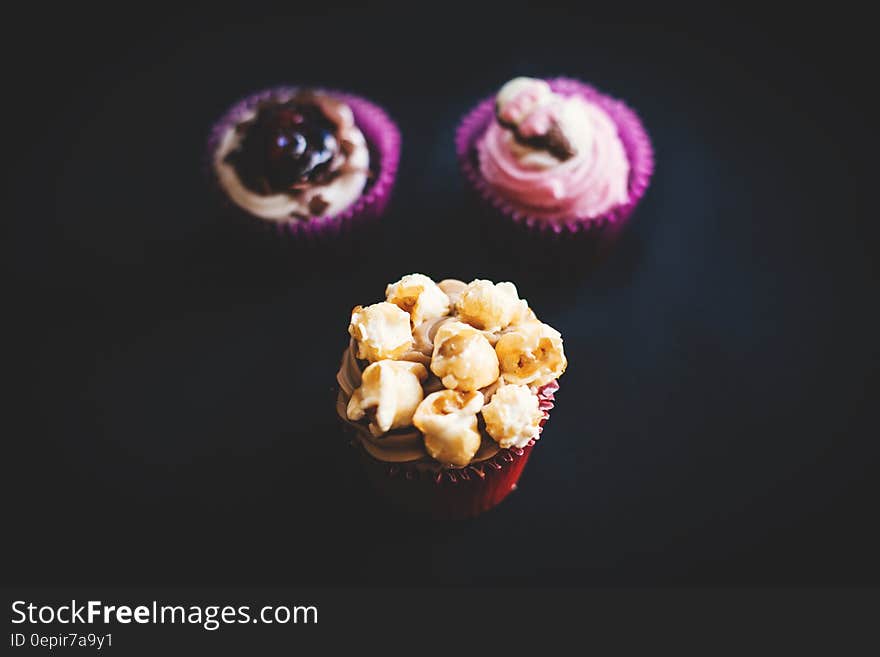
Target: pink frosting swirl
(586, 184)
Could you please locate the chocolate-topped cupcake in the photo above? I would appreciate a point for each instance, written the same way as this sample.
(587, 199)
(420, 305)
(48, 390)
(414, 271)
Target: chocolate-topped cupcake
(306, 161)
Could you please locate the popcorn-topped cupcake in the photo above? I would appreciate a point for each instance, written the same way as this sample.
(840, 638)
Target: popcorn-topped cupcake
(446, 375)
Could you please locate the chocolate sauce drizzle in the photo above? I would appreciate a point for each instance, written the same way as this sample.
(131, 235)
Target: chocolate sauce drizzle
(288, 147)
(553, 141)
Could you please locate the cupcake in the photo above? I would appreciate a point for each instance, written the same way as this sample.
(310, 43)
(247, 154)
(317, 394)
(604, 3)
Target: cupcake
(444, 389)
(556, 158)
(304, 162)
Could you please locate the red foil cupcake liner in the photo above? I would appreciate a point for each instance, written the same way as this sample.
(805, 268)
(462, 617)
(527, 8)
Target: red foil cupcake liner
(636, 143)
(382, 136)
(453, 494)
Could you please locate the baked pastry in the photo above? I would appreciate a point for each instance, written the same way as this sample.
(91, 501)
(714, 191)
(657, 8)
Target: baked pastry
(305, 161)
(555, 157)
(445, 388)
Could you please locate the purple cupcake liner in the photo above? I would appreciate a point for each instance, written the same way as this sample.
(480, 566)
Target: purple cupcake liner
(383, 138)
(631, 131)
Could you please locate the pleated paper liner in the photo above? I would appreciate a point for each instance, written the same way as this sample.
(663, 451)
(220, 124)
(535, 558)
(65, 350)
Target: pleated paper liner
(454, 493)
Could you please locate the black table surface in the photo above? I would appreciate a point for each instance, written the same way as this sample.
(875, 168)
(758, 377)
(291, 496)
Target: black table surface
(172, 420)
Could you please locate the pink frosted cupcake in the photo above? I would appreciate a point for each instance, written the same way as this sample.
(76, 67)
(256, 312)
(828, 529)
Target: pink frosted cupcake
(444, 389)
(305, 162)
(556, 157)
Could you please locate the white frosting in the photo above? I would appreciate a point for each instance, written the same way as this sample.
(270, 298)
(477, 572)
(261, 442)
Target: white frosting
(339, 193)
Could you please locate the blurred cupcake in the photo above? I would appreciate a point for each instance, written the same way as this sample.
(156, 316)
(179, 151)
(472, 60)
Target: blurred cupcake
(556, 157)
(305, 162)
(445, 388)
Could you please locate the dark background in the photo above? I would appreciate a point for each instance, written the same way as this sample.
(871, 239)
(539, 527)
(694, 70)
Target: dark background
(172, 418)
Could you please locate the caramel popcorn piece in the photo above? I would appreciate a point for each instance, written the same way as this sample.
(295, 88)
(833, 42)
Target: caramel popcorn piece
(512, 416)
(522, 315)
(419, 296)
(390, 392)
(463, 358)
(448, 420)
(488, 306)
(381, 331)
(531, 354)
